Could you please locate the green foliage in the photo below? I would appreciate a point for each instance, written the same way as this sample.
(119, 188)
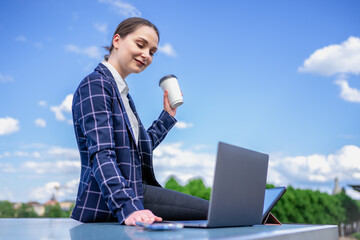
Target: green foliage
(306, 206)
(173, 184)
(296, 206)
(6, 209)
(195, 187)
(350, 206)
(26, 211)
(356, 235)
(55, 212)
(68, 212)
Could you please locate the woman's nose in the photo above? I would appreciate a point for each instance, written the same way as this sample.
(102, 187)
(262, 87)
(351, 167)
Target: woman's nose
(145, 55)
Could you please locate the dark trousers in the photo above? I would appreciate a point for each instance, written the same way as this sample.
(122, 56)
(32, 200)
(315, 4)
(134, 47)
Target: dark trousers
(172, 205)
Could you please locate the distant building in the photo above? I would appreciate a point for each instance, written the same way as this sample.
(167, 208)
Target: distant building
(52, 201)
(16, 205)
(66, 205)
(38, 208)
(337, 188)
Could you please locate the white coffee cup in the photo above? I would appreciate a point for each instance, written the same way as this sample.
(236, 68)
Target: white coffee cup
(170, 83)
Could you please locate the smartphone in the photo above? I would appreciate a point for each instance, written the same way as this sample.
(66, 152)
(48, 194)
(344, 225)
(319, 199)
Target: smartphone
(160, 226)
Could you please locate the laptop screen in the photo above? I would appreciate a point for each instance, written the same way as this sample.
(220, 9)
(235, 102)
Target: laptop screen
(272, 196)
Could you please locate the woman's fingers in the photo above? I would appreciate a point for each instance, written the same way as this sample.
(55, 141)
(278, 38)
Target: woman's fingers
(141, 216)
(167, 106)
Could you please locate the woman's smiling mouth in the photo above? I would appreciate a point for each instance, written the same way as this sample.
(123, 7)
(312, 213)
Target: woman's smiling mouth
(140, 62)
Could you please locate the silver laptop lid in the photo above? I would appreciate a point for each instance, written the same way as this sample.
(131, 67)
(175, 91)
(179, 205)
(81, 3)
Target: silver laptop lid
(237, 196)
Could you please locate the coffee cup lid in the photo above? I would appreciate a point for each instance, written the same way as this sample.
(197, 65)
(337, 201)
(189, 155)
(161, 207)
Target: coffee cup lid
(166, 77)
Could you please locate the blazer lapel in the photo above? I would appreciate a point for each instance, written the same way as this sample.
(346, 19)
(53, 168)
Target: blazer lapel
(132, 106)
(141, 127)
(105, 71)
(126, 117)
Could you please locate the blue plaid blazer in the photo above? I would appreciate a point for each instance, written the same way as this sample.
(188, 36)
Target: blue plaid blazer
(113, 167)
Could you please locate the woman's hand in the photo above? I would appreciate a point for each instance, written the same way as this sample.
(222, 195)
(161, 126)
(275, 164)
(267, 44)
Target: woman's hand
(167, 107)
(145, 216)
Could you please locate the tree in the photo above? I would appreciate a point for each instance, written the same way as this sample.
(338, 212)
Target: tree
(26, 211)
(68, 212)
(194, 187)
(6, 209)
(311, 207)
(54, 211)
(295, 206)
(351, 207)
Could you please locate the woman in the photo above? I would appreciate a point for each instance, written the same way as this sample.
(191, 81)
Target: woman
(117, 181)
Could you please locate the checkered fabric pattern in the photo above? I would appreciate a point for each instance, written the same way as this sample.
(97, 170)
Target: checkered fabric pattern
(113, 167)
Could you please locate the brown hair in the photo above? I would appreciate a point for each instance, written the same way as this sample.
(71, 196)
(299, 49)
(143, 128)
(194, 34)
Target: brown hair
(128, 26)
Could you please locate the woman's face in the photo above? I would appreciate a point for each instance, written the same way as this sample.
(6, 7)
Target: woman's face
(135, 52)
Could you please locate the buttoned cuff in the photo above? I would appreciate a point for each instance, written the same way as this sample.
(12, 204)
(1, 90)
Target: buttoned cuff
(168, 120)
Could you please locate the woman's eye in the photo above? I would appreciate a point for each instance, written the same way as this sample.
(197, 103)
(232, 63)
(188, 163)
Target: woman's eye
(139, 45)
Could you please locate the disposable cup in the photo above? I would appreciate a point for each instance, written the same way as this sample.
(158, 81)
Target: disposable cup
(170, 83)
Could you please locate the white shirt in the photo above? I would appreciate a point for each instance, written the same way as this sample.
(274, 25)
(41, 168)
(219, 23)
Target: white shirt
(124, 90)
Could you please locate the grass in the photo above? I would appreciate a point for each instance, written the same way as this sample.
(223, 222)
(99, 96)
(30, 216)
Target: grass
(356, 235)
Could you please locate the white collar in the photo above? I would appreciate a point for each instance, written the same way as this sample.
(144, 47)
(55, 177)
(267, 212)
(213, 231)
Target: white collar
(122, 85)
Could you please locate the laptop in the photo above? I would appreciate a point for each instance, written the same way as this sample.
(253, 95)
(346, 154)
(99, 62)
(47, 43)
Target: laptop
(237, 195)
(272, 196)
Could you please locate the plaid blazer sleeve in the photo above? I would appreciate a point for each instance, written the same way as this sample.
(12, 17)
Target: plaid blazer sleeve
(160, 127)
(93, 112)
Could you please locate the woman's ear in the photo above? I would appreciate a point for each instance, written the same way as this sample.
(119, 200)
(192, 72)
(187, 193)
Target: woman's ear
(116, 40)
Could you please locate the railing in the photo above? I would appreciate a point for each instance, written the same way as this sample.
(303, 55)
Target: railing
(348, 229)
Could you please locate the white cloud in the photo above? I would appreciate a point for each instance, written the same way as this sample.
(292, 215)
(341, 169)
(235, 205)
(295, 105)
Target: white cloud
(8, 125)
(34, 146)
(316, 170)
(21, 154)
(40, 122)
(168, 50)
(64, 167)
(42, 103)
(52, 163)
(41, 151)
(183, 125)
(5, 78)
(122, 8)
(7, 168)
(61, 191)
(44, 193)
(334, 59)
(20, 38)
(63, 108)
(101, 27)
(352, 193)
(91, 52)
(172, 159)
(340, 60)
(57, 152)
(6, 154)
(348, 93)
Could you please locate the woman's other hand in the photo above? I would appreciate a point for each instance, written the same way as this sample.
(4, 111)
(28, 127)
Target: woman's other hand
(167, 107)
(145, 216)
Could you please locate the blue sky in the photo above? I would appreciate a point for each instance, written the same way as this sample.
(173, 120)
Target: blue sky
(280, 77)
